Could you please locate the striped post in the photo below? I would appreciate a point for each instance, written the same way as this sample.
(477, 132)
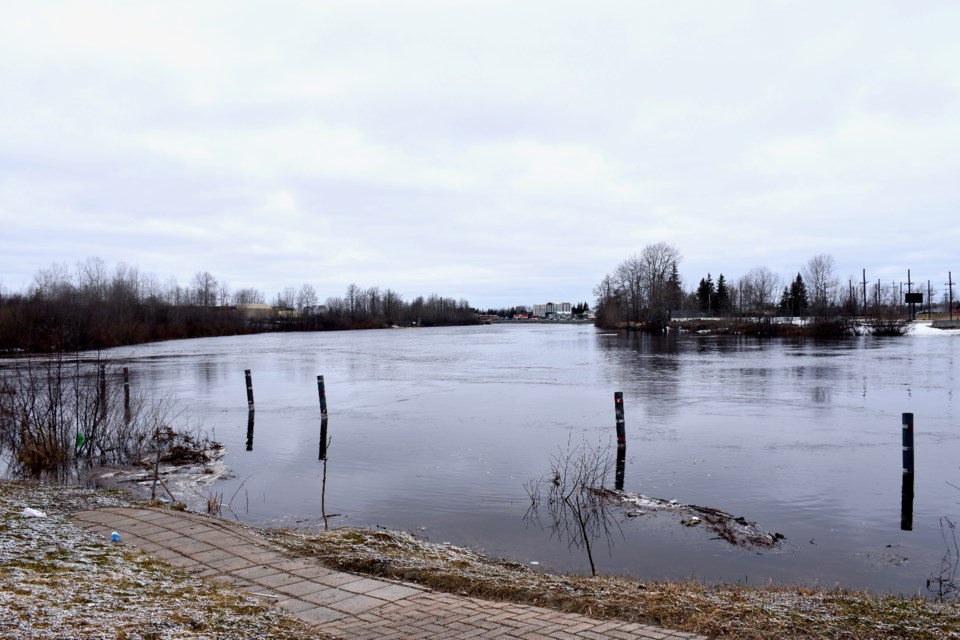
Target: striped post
(621, 468)
(249, 376)
(907, 443)
(250, 417)
(621, 423)
(322, 391)
(906, 489)
(323, 438)
(126, 395)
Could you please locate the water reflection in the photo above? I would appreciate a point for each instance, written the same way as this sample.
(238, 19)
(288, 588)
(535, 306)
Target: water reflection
(250, 430)
(906, 503)
(323, 438)
(324, 447)
(621, 467)
(576, 497)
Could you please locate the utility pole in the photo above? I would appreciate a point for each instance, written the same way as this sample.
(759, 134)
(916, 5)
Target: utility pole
(864, 292)
(950, 292)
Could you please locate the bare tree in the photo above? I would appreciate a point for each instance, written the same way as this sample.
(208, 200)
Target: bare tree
(657, 261)
(307, 298)
(249, 296)
(821, 282)
(53, 283)
(204, 289)
(286, 299)
(643, 288)
(763, 287)
(223, 293)
(92, 279)
(577, 496)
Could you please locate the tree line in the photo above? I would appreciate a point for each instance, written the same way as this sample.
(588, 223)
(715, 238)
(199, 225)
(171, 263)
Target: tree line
(93, 306)
(645, 291)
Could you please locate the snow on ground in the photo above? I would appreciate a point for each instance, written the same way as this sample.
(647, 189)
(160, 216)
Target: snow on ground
(925, 328)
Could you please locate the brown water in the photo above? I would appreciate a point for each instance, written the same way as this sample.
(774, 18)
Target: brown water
(436, 431)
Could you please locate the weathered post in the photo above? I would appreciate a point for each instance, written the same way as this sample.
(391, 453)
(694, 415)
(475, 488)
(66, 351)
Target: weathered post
(906, 503)
(621, 424)
(249, 376)
(621, 468)
(102, 381)
(323, 438)
(126, 395)
(250, 415)
(907, 442)
(321, 389)
(906, 490)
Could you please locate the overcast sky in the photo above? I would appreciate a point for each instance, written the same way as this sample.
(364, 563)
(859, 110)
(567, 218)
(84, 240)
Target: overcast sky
(503, 152)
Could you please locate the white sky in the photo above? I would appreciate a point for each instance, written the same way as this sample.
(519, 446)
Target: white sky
(504, 152)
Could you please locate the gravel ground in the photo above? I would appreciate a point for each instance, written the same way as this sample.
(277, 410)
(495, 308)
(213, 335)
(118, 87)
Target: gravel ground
(59, 581)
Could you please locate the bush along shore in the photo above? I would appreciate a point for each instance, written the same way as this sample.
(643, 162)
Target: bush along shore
(56, 579)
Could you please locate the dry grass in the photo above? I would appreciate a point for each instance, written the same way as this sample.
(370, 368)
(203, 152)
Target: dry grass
(725, 611)
(58, 581)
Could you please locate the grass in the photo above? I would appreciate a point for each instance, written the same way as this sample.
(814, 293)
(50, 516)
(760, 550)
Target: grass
(721, 611)
(57, 580)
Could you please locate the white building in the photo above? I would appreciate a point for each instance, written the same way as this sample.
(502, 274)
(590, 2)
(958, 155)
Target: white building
(553, 308)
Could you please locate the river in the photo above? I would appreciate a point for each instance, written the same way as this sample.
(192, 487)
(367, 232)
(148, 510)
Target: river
(436, 431)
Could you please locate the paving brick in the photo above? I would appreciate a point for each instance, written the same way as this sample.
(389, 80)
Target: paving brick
(299, 589)
(313, 572)
(393, 592)
(342, 604)
(214, 555)
(255, 572)
(295, 605)
(277, 580)
(319, 615)
(357, 604)
(335, 579)
(229, 564)
(363, 585)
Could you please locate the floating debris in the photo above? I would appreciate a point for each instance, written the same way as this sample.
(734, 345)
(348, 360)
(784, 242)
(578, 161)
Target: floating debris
(735, 530)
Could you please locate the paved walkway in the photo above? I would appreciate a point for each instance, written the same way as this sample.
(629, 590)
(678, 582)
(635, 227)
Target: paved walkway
(342, 604)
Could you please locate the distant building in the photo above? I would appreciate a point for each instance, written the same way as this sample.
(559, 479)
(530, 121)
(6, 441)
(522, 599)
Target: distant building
(253, 311)
(553, 309)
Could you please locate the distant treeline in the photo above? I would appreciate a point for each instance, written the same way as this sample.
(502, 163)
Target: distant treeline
(645, 292)
(93, 307)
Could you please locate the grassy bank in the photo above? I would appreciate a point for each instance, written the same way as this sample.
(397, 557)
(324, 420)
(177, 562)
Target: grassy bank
(725, 611)
(57, 580)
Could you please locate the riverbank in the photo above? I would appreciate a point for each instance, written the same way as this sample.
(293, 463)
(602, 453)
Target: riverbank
(55, 576)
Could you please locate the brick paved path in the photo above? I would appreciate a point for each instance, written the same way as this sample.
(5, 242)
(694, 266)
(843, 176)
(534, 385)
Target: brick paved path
(342, 604)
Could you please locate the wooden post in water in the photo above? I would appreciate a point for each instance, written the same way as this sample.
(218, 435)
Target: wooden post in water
(906, 490)
(322, 393)
(126, 395)
(249, 376)
(621, 468)
(321, 389)
(323, 438)
(102, 381)
(906, 503)
(250, 416)
(621, 424)
(907, 443)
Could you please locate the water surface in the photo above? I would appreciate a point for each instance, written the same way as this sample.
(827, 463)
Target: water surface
(436, 431)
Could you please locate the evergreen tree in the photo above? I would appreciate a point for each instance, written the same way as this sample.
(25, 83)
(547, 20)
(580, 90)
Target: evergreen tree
(722, 302)
(785, 301)
(801, 301)
(674, 289)
(795, 301)
(706, 294)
